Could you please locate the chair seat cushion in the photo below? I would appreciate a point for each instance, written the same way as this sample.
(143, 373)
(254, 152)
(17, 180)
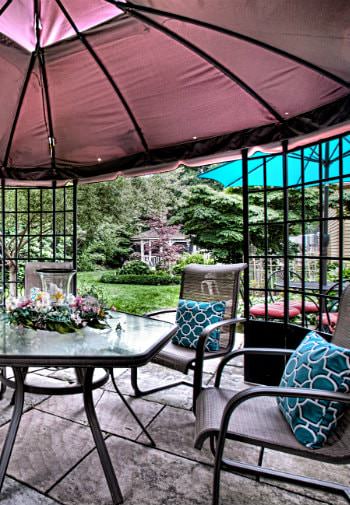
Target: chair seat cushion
(274, 310)
(315, 364)
(259, 421)
(192, 317)
(309, 307)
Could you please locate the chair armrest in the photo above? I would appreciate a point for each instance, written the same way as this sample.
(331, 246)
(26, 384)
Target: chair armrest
(157, 312)
(203, 337)
(249, 350)
(271, 391)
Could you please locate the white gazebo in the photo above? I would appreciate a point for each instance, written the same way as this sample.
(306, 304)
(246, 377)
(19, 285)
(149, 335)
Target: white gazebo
(147, 243)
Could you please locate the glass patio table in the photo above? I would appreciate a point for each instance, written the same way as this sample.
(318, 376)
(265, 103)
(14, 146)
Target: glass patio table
(135, 345)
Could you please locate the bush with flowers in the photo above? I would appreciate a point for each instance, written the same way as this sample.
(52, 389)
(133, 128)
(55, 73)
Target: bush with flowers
(53, 312)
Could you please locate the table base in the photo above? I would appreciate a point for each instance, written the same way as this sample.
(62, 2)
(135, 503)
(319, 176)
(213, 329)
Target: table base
(85, 375)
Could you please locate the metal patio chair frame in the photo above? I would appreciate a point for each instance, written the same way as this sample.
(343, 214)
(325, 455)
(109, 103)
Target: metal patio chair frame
(200, 283)
(222, 414)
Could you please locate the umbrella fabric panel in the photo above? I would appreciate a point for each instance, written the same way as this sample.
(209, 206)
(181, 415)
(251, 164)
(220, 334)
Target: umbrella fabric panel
(182, 98)
(14, 62)
(86, 14)
(90, 122)
(18, 22)
(314, 30)
(268, 73)
(30, 146)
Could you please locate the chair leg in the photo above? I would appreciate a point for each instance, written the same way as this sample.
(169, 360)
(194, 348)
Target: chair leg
(138, 392)
(216, 483)
(131, 410)
(14, 424)
(3, 386)
(270, 473)
(260, 460)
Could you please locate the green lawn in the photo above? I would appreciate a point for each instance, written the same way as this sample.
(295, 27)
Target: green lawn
(130, 297)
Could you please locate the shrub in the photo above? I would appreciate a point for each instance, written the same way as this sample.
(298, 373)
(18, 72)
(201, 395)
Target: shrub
(108, 277)
(187, 258)
(148, 279)
(135, 267)
(87, 261)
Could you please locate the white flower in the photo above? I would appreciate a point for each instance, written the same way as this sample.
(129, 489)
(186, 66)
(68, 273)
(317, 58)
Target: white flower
(56, 294)
(76, 318)
(70, 299)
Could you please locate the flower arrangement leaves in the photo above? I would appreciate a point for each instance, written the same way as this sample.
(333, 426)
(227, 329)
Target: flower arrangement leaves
(52, 312)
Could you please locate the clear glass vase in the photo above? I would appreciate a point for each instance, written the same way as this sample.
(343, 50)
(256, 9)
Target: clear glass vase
(53, 279)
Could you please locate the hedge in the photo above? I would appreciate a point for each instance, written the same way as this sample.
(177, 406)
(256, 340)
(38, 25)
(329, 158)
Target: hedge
(148, 279)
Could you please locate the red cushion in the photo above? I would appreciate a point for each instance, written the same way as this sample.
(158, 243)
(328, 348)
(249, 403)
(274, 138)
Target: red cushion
(275, 310)
(309, 307)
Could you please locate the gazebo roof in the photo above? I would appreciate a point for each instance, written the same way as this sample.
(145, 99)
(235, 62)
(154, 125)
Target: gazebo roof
(92, 89)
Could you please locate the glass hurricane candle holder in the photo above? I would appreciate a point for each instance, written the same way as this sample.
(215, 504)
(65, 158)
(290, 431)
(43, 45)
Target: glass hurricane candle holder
(56, 278)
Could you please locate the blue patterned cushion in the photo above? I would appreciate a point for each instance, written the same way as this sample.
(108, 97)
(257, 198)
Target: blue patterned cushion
(315, 364)
(192, 317)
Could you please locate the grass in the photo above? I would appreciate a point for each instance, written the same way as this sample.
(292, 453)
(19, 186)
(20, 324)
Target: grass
(132, 298)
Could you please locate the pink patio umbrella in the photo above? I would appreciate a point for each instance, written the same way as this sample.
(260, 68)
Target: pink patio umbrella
(91, 89)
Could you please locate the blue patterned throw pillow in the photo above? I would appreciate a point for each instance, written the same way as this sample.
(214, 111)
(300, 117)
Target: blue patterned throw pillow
(315, 364)
(192, 317)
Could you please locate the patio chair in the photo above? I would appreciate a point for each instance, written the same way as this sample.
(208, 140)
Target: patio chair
(252, 416)
(206, 283)
(275, 308)
(329, 317)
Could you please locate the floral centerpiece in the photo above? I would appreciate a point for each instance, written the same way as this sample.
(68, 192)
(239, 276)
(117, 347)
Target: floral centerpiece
(53, 312)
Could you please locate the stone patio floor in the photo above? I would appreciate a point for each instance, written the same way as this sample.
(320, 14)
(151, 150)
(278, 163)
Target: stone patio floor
(54, 460)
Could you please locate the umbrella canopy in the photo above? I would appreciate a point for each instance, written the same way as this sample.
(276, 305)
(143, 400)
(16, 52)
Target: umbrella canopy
(230, 174)
(96, 88)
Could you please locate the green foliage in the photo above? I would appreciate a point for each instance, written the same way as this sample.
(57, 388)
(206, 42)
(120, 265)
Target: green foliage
(110, 213)
(90, 261)
(148, 279)
(135, 267)
(187, 259)
(215, 220)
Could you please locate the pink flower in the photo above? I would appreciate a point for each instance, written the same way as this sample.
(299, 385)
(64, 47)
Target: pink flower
(22, 303)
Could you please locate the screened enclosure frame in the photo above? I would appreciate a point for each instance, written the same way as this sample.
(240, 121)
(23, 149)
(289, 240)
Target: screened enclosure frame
(323, 221)
(331, 183)
(37, 224)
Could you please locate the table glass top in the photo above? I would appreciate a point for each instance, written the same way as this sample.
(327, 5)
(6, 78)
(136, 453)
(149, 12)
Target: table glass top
(139, 335)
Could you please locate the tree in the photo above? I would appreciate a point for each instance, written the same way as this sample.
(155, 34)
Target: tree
(110, 213)
(167, 251)
(214, 220)
(213, 217)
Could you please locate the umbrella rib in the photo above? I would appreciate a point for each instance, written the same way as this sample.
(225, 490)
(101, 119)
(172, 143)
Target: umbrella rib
(110, 79)
(41, 57)
(209, 59)
(19, 107)
(128, 6)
